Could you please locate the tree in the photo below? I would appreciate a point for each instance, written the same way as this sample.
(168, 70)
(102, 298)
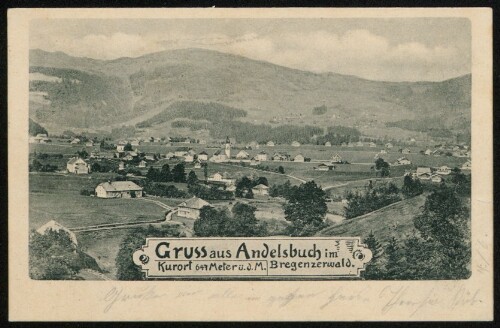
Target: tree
(192, 178)
(211, 223)
(306, 209)
(393, 259)
(244, 222)
(179, 173)
(205, 171)
(126, 269)
(244, 188)
(382, 166)
(411, 187)
(153, 174)
(82, 153)
(165, 175)
(127, 147)
(373, 270)
(260, 180)
(445, 223)
(281, 169)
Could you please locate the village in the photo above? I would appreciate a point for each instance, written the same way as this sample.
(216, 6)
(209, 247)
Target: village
(122, 171)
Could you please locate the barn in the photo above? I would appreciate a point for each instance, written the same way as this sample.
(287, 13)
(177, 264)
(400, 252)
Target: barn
(118, 189)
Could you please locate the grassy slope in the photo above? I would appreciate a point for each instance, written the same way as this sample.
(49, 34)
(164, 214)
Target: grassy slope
(395, 220)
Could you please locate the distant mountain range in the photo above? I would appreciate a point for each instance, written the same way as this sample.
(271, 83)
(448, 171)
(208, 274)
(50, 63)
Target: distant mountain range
(73, 92)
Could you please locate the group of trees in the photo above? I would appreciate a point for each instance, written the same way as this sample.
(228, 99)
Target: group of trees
(383, 167)
(439, 248)
(245, 184)
(359, 203)
(163, 190)
(240, 222)
(411, 187)
(177, 174)
(305, 209)
(336, 135)
(125, 266)
(53, 256)
(37, 166)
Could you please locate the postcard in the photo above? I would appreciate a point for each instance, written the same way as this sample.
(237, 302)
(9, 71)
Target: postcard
(250, 164)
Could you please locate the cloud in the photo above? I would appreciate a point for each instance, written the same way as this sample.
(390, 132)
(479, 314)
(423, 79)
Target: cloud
(356, 52)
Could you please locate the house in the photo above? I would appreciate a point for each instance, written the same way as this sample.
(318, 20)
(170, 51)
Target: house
(405, 151)
(402, 161)
(169, 155)
(372, 145)
(78, 166)
(202, 142)
(253, 145)
(218, 157)
(443, 170)
(128, 157)
(261, 190)
(383, 151)
(324, 167)
(191, 208)
(328, 144)
(350, 145)
(336, 158)
(142, 164)
(118, 189)
(427, 152)
(467, 165)
(359, 144)
(197, 164)
(203, 156)
(188, 158)
(135, 142)
(40, 138)
(121, 166)
(150, 158)
(262, 156)
(389, 145)
(436, 178)
(295, 144)
(270, 144)
(423, 173)
(55, 226)
(242, 155)
(298, 158)
(75, 141)
(180, 153)
(221, 178)
(89, 143)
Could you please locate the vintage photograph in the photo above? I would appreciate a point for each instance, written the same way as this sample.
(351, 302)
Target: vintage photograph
(242, 128)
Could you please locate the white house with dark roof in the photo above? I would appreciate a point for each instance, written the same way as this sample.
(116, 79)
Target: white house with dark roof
(328, 144)
(191, 208)
(467, 165)
(118, 189)
(78, 166)
(444, 170)
(242, 155)
(261, 190)
(270, 144)
(203, 156)
(261, 157)
(295, 144)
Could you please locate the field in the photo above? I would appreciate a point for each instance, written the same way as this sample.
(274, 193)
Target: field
(56, 197)
(394, 220)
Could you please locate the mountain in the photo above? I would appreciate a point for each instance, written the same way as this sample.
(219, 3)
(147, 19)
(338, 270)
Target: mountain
(87, 93)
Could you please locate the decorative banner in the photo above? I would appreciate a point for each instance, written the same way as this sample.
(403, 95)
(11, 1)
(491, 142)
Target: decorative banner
(252, 257)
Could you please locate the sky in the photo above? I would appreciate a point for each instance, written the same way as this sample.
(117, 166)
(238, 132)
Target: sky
(384, 49)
